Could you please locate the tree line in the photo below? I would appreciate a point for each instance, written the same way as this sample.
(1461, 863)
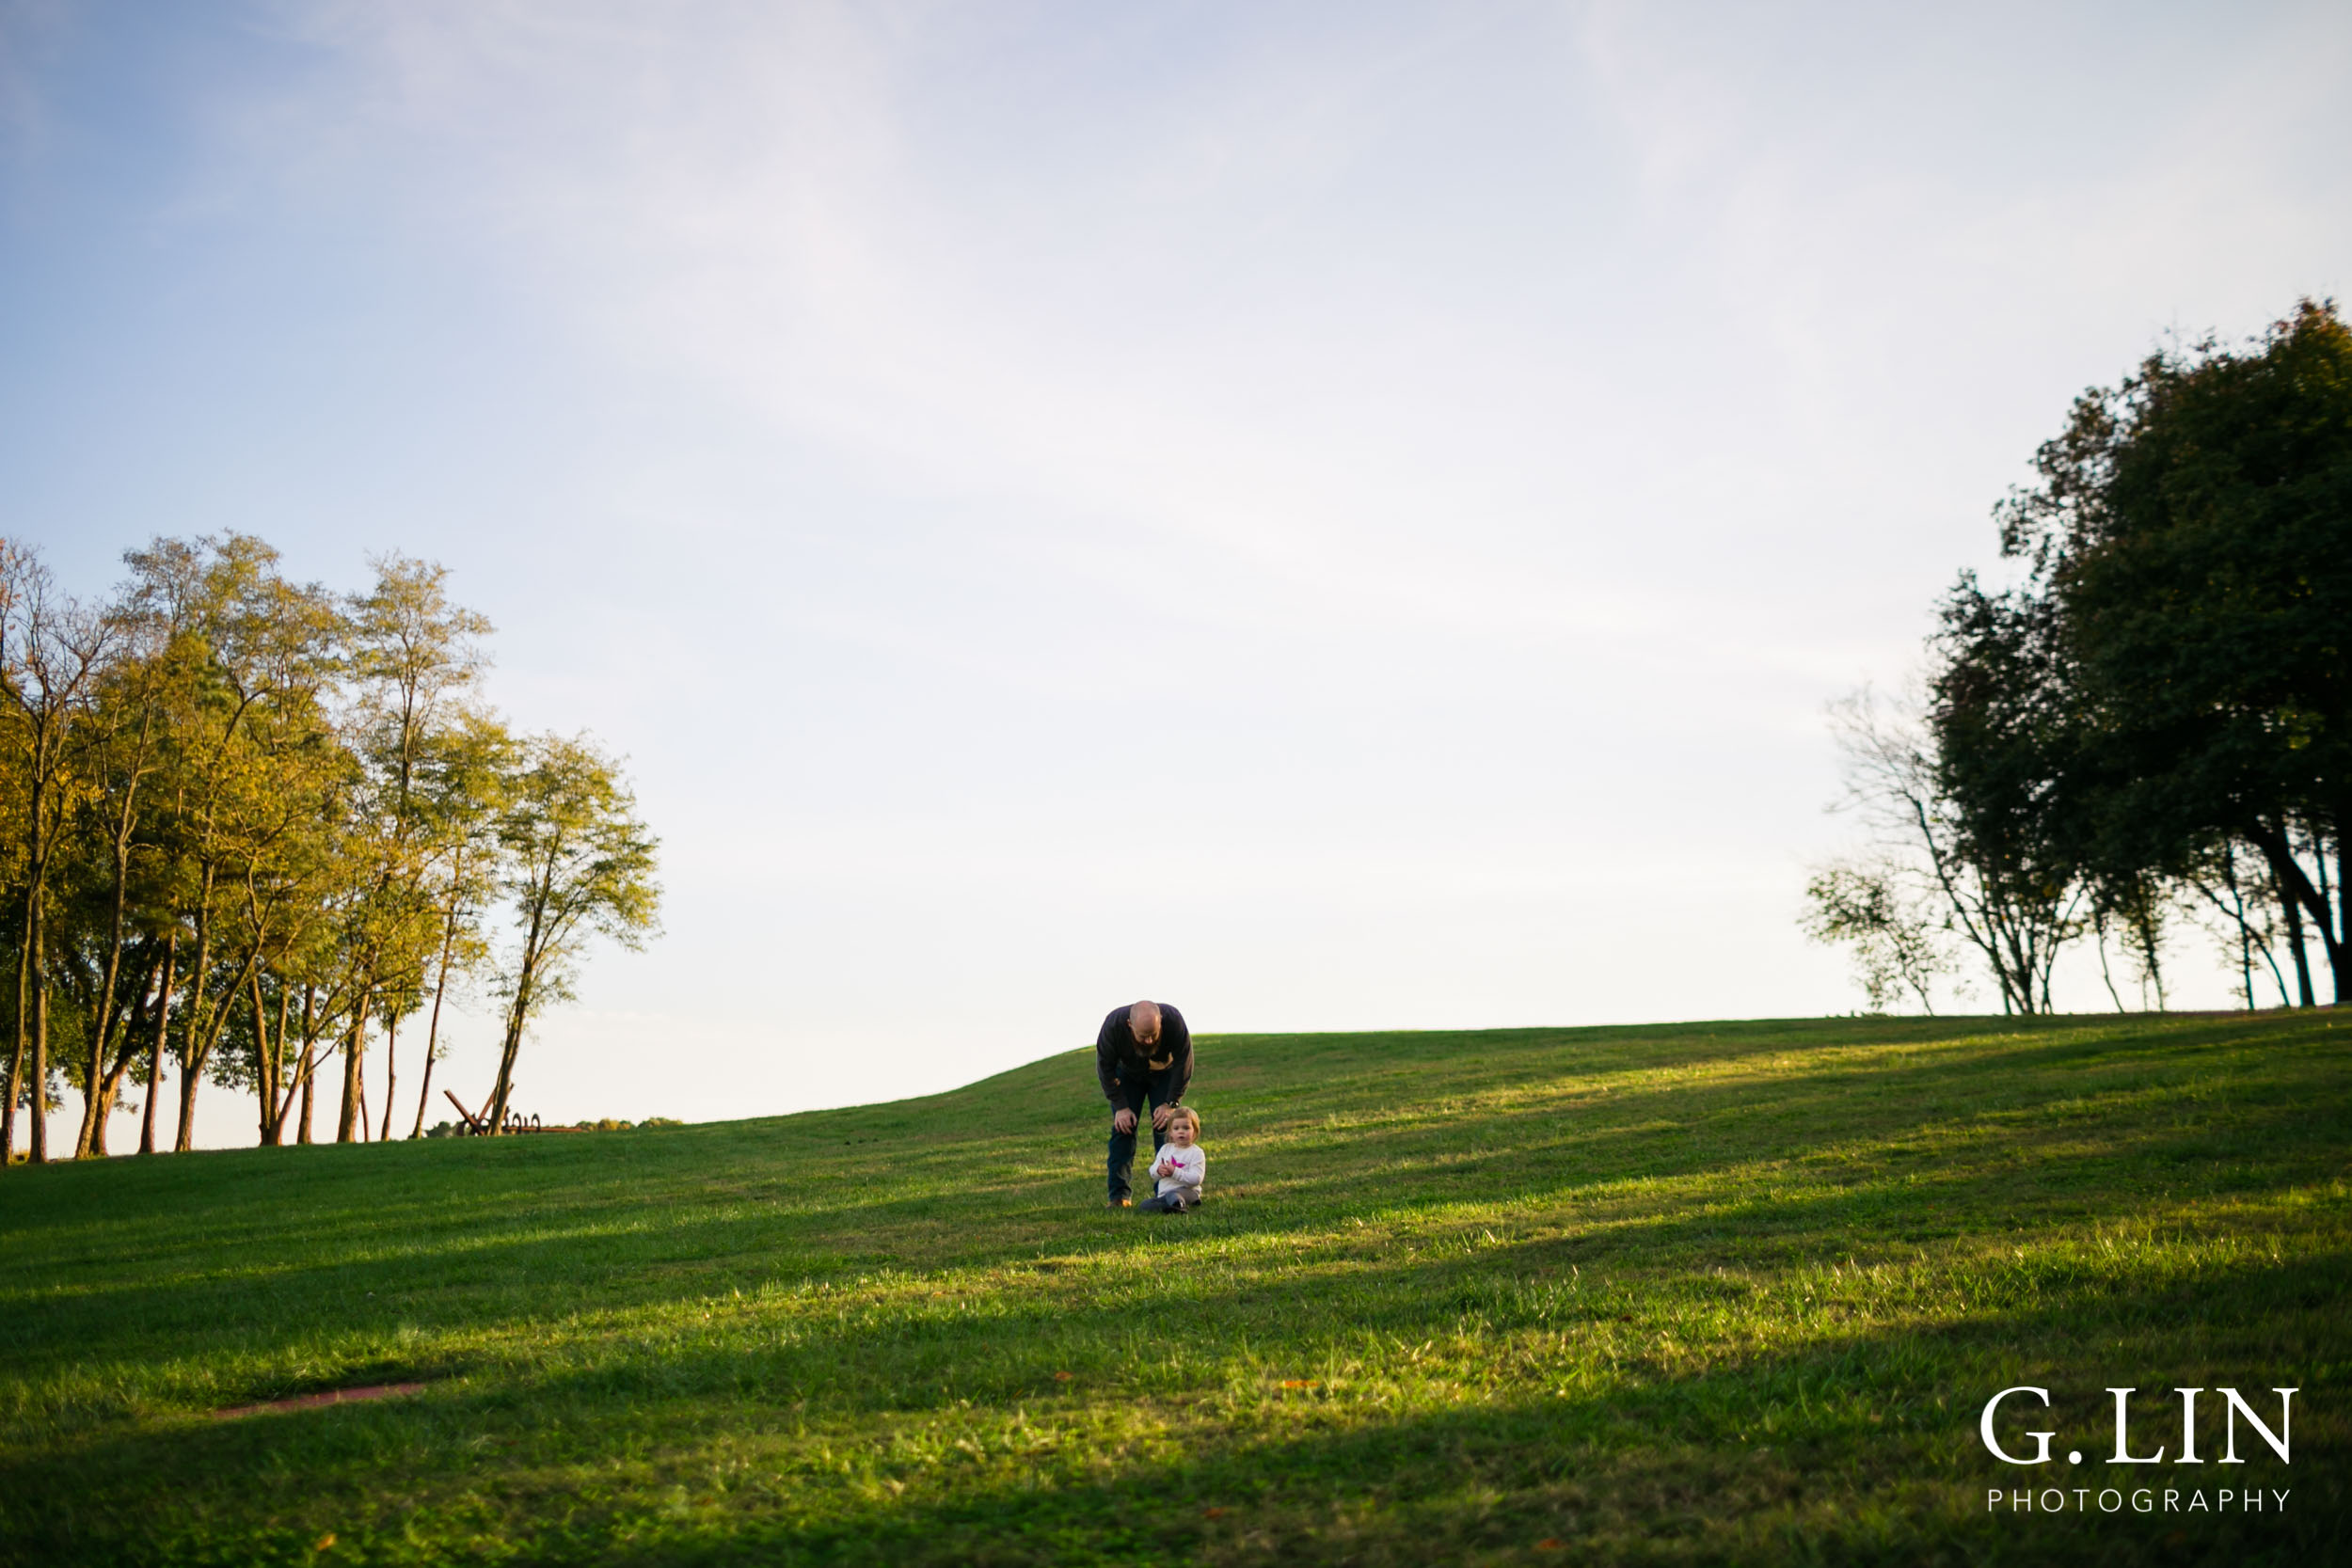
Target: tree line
(251, 831)
(2154, 725)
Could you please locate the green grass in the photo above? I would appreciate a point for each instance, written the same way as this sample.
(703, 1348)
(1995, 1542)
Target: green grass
(1712, 1292)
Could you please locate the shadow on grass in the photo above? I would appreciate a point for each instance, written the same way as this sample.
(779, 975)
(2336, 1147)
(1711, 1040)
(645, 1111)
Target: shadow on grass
(1755, 1168)
(1857, 1448)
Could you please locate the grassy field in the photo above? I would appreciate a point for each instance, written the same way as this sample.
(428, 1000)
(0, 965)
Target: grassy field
(1709, 1293)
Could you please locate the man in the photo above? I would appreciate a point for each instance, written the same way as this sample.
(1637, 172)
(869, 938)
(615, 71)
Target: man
(1143, 1054)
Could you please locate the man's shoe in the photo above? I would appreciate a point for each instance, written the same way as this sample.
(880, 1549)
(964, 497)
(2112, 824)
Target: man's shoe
(1123, 1203)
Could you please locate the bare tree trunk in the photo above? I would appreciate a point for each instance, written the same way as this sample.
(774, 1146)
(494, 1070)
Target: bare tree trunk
(348, 1123)
(93, 1116)
(183, 1138)
(16, 1069)
(2321, 894)
(190, 1067)
(2153, 960)
(2244, 932)
(183, 1133)
(265, 1067)
(2295, 945)
(310, 1060)
(32, 973)
(392, 1078)
(2344, 900)
(2099, 930)
(2295, 889)
(199, 1048)
(126, 1053)
(433, 1029)
(517, 1017)
(156, 1052)
(425, 1091)
(38, 1145)
(2250, 942)
(94, 1080)
(284, 1102)
(2339, 952)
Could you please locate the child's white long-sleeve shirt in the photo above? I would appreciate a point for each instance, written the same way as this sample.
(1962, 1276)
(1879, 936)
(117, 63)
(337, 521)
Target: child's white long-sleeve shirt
(1181, 1167)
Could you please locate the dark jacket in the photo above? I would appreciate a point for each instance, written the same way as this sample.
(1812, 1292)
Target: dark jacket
(1116, 1049)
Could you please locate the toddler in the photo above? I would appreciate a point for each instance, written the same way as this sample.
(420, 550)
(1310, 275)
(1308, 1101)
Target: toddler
(1180, 1166)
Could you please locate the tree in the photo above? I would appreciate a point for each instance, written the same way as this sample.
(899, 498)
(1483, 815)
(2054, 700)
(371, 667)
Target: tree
(1895, 935)
(463, 779)
(414, 653)
(247, 825)
(126, 751)
(2004, 747)
(2190, 544)
(53, 655)
(579, 864)
(254, 757)
(2238, 893)
(1935, 847)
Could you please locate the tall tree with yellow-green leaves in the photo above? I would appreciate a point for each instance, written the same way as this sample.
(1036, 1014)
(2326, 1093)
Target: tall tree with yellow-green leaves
(112, 958)
(414, 655)
(54, 654)
(248, 828)
(464, 781)
(579, 864)
(257, 758)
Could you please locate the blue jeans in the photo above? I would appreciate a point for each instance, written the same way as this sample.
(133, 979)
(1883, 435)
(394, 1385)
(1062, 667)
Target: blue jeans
(1136, 1087)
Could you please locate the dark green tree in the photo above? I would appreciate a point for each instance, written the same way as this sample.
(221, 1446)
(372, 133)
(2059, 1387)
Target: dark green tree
(1944, 839)
(2190, 547)
(2004, 738)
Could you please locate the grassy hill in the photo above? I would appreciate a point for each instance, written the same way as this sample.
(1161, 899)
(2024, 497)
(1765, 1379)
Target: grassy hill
(1709, 1293)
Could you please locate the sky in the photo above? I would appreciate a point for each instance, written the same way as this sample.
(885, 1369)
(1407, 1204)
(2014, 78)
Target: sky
(1336, 517)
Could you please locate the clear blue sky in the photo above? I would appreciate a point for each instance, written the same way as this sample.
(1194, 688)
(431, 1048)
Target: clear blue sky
(1333, 516)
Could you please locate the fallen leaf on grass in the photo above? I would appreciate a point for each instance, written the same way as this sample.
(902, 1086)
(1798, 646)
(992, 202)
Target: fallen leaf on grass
(1064, 1377)
(324, 1542)
(1212, 1514)
(1301, 1383)
(1551, 1543)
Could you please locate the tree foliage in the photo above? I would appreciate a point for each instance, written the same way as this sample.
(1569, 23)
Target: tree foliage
(1932, 850)
(1895, 934)
(248, 828)
(578, 864)
(2159, 717)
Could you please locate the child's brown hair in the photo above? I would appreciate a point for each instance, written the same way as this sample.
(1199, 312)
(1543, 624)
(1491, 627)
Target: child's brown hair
(1186, 1113)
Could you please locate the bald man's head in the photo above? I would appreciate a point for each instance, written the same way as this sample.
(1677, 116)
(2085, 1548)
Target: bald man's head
(1143, 1022)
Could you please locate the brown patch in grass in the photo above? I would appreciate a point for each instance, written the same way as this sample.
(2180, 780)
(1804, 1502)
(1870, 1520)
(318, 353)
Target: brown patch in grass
(330, 1396)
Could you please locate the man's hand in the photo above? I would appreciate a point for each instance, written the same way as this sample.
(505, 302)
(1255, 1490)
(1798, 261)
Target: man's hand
(1160, 1115)
(1123, 1120)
